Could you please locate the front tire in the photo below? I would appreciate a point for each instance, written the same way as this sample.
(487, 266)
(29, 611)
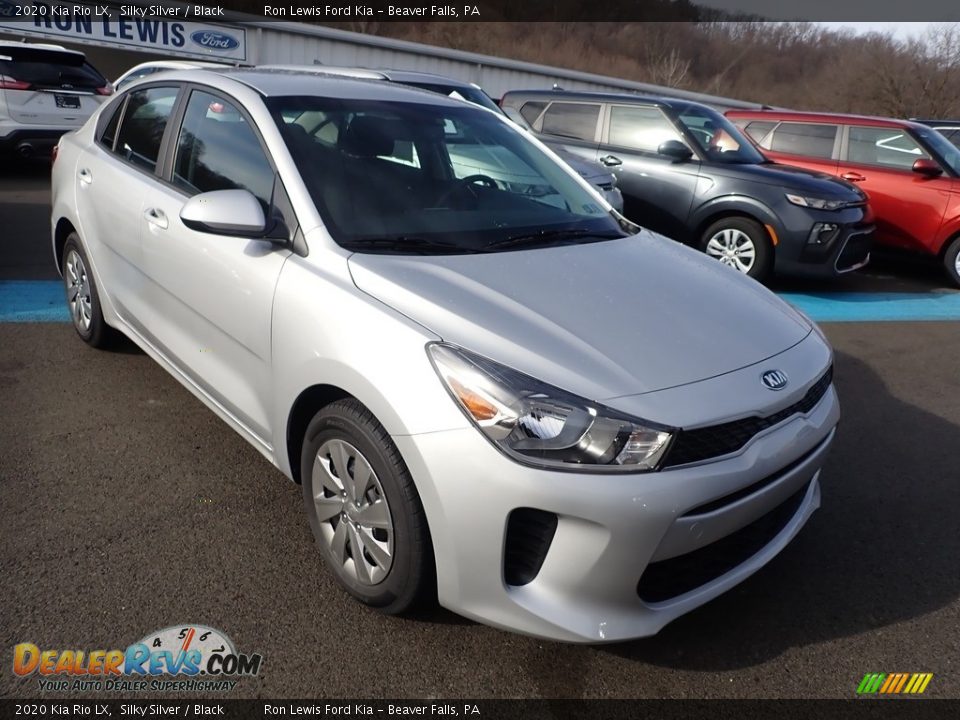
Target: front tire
(951, 261)
(364, 509)
(83, 298)
(740, 243)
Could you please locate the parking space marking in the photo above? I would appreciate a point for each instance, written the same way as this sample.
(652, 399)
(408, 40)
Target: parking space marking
(872, 307)
(32, 301)
(43, 301)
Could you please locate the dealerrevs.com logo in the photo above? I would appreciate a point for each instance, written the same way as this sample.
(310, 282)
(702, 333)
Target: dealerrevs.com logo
(180, 658)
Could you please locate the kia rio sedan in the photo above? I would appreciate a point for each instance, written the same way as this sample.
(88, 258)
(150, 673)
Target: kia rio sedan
(555, 421)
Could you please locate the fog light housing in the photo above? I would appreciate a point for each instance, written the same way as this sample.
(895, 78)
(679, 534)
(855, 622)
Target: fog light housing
(823, 234)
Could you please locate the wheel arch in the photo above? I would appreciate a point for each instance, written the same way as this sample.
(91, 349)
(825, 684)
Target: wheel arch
(307, 404)
(748, 209)
(61, 232)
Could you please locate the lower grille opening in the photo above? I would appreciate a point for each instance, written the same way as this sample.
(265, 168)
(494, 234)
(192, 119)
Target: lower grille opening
(671, 578)
(854, 252)
(529, 534)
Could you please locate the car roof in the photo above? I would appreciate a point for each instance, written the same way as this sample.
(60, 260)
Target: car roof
(401, 76)
(278, 82)
(39, 46)
(817, 117)
(601, 97)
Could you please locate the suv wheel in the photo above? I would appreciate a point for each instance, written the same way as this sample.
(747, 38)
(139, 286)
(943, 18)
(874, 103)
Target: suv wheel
(364, 510)
(951, 261)
(83, 299)
(740, 243)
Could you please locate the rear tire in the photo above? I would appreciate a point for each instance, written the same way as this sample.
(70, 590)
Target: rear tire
(951, 261)
(364, 509)
(83, 298)
(740, 243)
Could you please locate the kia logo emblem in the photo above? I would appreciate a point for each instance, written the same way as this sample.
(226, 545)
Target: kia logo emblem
(774, 379)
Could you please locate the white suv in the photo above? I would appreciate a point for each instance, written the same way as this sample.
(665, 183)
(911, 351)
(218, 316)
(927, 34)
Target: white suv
(45, 90)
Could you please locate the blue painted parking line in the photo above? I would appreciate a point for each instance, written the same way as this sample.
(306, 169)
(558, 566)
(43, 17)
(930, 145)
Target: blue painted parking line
(43, 301)
(871, 307)
(32, 301)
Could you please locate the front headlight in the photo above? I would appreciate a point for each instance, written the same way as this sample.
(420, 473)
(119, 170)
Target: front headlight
(539, 424)
(816, 203)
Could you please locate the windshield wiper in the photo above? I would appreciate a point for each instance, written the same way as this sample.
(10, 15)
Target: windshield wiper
(405, 243)
(548, 237)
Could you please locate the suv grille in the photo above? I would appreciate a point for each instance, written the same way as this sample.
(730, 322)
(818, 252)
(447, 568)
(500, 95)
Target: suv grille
(716, 440)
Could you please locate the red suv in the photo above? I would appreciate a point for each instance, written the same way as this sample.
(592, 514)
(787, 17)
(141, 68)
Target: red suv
(910, 171)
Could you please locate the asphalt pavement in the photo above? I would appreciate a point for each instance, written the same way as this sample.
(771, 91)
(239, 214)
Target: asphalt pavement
(127, 506)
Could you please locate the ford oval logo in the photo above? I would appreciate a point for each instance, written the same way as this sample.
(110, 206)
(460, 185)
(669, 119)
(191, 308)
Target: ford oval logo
(774, 379)
(215, 40)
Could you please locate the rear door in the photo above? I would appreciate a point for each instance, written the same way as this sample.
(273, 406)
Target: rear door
(49, 88)
(909, 207)
(657, 191)
(112, 177)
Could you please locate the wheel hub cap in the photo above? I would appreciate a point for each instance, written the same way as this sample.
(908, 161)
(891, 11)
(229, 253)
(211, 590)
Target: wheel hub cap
(352, 513)
(734, 248)
(78, 291)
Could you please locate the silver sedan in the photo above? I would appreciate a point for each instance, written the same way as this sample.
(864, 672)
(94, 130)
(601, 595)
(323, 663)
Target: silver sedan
(494, 389)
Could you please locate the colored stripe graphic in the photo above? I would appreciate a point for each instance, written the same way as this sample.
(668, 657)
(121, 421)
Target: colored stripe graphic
(43, 301)
(894, 683)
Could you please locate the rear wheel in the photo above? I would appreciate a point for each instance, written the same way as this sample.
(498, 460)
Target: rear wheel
(364, 510)
(83, 299)
(740, 243)
(951, 261)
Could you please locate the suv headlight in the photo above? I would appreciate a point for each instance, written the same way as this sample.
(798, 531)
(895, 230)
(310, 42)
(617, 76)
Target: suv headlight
(816, 203)
(538, 424)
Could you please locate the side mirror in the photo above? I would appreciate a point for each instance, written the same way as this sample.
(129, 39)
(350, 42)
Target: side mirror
(225, 212)
(927, 167)
(675, 150)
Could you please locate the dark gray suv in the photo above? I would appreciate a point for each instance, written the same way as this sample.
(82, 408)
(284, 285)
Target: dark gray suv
(685, 171)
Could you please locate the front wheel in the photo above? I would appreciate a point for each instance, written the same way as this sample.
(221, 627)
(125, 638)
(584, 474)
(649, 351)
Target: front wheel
(951, 261)
(364, 510)
(740, 243)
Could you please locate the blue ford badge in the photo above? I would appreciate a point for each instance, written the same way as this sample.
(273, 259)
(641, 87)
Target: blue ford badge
(774, 379)
(214, 40)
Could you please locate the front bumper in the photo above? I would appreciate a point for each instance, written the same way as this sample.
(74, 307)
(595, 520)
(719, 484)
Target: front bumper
(607, 571)
(847, 251)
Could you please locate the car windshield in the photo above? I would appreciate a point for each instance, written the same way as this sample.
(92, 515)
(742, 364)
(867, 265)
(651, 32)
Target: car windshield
(459, 92)
(947, 151)
(718, 139)
(434, 179)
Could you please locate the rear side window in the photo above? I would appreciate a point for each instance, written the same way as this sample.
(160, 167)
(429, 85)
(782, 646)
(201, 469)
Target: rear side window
(218, 150)
(757, 129)
(888, 147)
(573, 120)
(109, 134)
(144, 121)
(641, 128)
(531, 111)
(808, 139)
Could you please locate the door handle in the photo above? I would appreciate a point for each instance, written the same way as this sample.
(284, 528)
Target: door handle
(156, 218)
(86, 177)
(853, 177)
(611, 160)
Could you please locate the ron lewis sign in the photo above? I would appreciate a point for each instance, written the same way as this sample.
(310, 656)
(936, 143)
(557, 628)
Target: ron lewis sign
(170, 30)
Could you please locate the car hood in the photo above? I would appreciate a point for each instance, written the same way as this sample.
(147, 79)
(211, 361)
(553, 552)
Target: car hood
(794, 178)
(602, 320)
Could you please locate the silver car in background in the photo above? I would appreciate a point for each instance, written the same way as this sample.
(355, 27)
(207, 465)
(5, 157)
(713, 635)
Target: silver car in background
(561, 424)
